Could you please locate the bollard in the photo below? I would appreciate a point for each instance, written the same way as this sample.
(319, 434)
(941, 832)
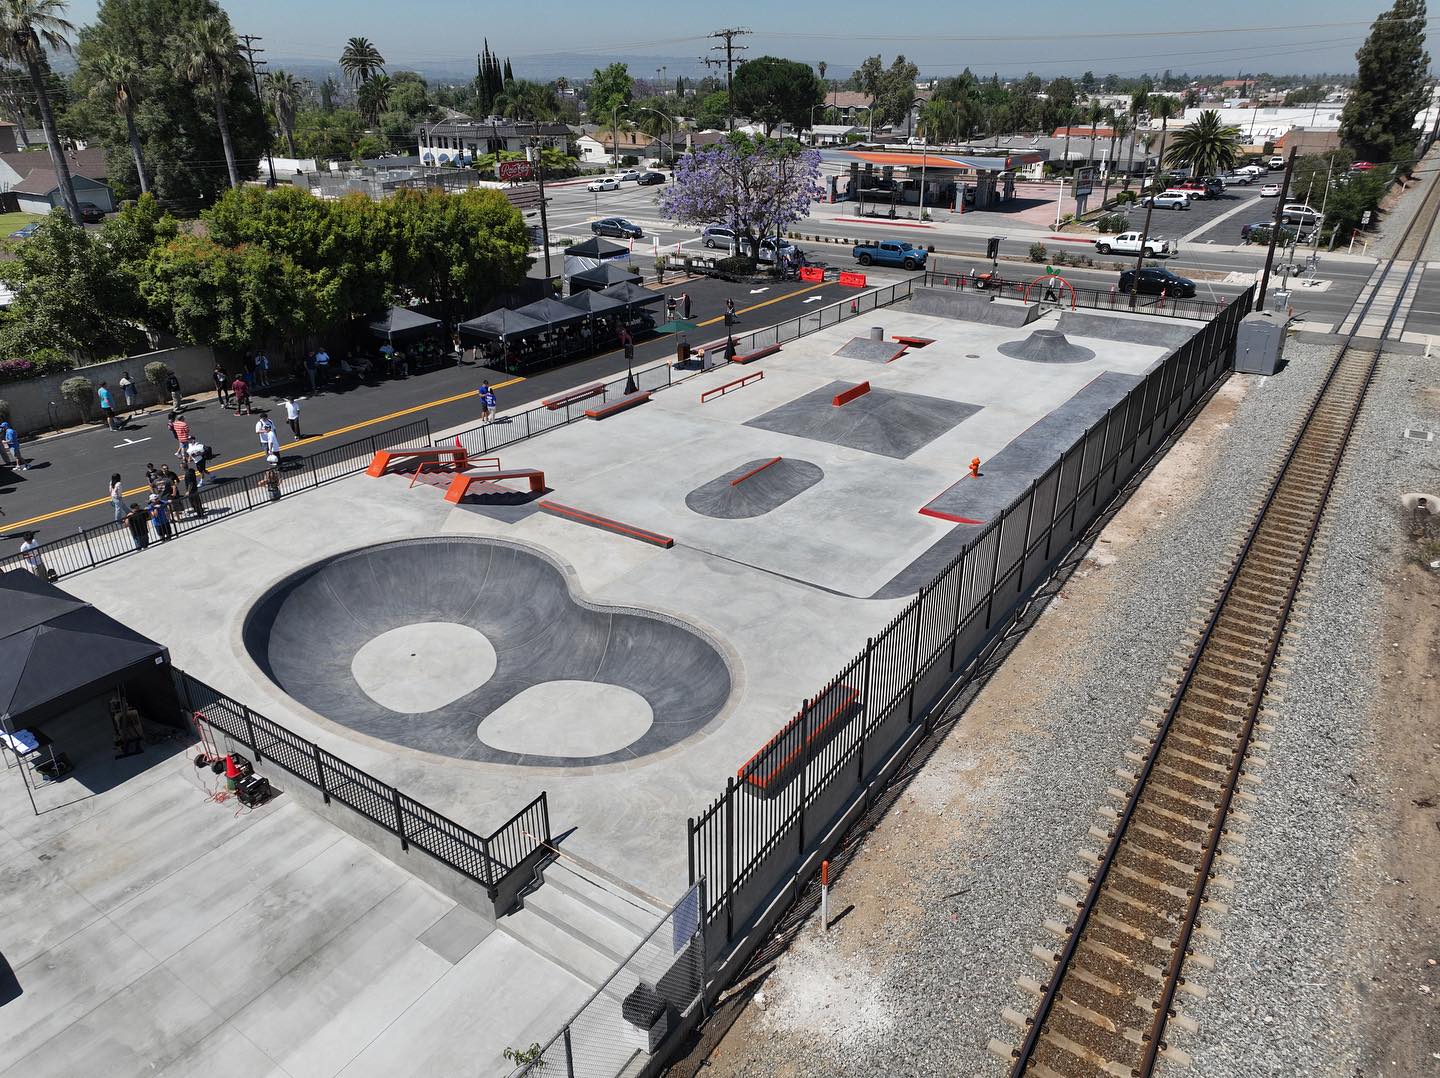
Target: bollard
(974, 467)
(825, 896)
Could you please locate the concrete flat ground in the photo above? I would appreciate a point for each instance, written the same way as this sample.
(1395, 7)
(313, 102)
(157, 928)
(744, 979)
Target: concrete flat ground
(787, 596)
(151, 931)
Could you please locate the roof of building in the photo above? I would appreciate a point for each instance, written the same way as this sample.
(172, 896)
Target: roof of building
(89, 162)
(1082, 132)
(42, 181)
(500, 128)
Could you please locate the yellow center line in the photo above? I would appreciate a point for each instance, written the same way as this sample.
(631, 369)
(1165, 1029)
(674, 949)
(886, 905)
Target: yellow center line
(257, 456)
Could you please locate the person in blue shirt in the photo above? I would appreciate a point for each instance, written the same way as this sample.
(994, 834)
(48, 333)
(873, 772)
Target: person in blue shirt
(487, 401)
(12, 443)
(107, 407)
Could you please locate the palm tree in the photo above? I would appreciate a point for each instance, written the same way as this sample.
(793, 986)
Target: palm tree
(1164, 107)
(207, 51)
(27, 29)
(374, 97)
(1207, 146)
(282, 89)
(361, 61)
(1119, 128)
(1138, 101)
(116, 76)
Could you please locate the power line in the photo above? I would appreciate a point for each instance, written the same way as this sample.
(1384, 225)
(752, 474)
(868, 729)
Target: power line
(730, 49)
(247, 45)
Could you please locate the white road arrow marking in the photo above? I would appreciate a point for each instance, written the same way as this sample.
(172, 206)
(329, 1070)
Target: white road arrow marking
(813, 299)
(757, 291)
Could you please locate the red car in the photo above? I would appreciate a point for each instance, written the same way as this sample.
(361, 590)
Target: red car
(1362, 166)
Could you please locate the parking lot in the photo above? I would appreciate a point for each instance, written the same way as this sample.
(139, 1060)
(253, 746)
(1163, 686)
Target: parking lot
(1209, 220)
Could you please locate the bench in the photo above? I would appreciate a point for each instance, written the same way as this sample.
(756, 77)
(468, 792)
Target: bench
(382, 460)
(751, 770)
(618, 405)
(460, 485)
(759, 353)
(573, 395)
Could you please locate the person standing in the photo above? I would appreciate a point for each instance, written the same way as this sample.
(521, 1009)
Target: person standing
(160, 517)
(11, 438)
(127, 390)
(117, 496)
(30, 553)
(177, 399)
(181, 430)
(107, 406)
(310, 369)
(487, 401)
(222, 386)
(138, 521)
(292, 416)
(685, 305)
(269, 440)
(240, 390)
(730, 311)
(262, 370)
(322, 366)
(196, 453)
(269, 482)
(191, 490)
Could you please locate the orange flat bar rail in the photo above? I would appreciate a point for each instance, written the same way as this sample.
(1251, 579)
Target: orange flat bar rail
(754, 471)
(720, 390)
(850, 394)
(749, 773)
(385, 457)
(460, 485)
(569, 512)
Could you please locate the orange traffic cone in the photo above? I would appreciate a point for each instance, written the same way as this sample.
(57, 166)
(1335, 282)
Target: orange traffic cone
(232, 773)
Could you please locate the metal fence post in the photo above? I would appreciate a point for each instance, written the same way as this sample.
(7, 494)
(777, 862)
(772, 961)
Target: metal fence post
(1079, 477)
(249, 501)
(1025, 550)
(959, 600)
(1104, 446)
(915, 653)
(865, 710)
(399, 818)
(729, 858)
(804, 776)
(690, 847)
(314, 475)
(995, 569)
(320, 773)
(85, 535)
(250, 730)
(569, 1056)
(1055, 508)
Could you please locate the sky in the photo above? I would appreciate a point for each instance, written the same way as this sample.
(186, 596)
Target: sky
(941, 36)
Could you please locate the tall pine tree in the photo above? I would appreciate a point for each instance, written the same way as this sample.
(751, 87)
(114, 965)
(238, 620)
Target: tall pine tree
(509, 75)
(483, 95)
(1378, 121)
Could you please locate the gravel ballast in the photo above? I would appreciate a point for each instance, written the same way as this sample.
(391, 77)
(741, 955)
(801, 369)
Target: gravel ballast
(954, 887)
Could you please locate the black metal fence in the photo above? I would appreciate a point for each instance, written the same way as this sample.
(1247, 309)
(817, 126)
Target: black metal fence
(220, 499)
(489, 860)
(773, 814)
(1032, 288)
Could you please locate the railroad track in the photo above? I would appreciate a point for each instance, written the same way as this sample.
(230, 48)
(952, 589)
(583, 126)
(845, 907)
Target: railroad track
(1113, 984)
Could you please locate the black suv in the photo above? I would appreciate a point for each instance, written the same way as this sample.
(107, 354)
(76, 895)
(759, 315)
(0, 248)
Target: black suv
(1154, 280)
(1214, 186)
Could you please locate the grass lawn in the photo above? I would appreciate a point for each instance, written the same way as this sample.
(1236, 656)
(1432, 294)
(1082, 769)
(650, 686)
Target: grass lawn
(9, 222)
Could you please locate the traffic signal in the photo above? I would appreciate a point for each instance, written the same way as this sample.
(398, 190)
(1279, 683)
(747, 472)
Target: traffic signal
(992, 248)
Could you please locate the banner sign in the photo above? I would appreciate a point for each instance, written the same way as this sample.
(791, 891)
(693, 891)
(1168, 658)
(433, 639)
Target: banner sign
(514, 171)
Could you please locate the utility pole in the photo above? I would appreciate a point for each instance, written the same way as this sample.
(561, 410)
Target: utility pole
(1275, 227)
(247, 46)
(730, 49)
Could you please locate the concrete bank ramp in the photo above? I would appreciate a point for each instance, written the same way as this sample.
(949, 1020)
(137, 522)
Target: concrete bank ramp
(972, 307)
(1167, 333)
(754, 488)
(479, 649)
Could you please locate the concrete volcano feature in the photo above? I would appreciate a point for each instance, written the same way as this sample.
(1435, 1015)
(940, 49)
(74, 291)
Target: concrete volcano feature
(1046, 346)
(480, 649)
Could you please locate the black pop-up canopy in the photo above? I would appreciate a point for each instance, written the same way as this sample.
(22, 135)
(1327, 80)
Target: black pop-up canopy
(552, 312)
(594, 302)
(602, 276)
(596, 247)
(56, 650)
(399, 323)
(633, 295)
(497, 325)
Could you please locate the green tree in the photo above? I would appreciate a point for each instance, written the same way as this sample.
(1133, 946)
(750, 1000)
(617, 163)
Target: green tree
(1206, 146)
(525, 100)
(772, 91)
(891, 89)
(208, 52)
(1378, 120)
(27, 29)
(373, 97)
(69, 294)
(712, 110)
(1162, 107)
(361, 61)
(939, 121)
(116, 77)
(410, 94)
(282, 90)
(609, 88)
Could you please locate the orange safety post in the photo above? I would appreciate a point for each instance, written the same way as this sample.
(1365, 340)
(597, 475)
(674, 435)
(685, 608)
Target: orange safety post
(850, 394)
(974, 467)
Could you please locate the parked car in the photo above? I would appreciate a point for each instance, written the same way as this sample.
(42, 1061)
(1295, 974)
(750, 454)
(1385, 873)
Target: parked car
(1362, 166)
(1297, 213)
(1251, 170)
(1154, 280)
(630, 174)
(717, 236)
(1248, 233)
(1270, 190)
(1168, 200)
(649, 179)
(1276, 163)
(24, 232)
(889, 253)
(617, 226)
(767, 250)
(1200, 188)
(91, 214)
(1128, 243)
(604, 183)
(1238, 179)
(1214, 185)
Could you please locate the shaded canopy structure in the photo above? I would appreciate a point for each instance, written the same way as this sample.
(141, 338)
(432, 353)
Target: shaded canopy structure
(551, 312)
(632, 295)
(603, 276)
(498, 325)
(593, 303)
(56, 651)
(402, 324)
(596, 247)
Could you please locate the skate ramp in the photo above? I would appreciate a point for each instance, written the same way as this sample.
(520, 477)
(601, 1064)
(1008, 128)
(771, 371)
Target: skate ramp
(754, 488)
(972, 307)
(889, 422)
(1046, 346)
(480, 649)
(1160, 332)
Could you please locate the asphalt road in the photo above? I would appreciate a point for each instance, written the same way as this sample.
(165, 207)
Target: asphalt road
(66, 488)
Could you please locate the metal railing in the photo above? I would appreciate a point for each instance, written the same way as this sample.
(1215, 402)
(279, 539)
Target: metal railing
(1030, 288)
(219, 500)
(486, 859)
(635, 1009)
(757, 834)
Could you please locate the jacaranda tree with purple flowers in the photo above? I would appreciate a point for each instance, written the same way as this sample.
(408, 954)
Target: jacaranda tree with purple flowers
(759, 187)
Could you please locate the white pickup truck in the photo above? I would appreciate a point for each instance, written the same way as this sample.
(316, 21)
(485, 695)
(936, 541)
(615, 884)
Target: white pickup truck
(1128, 243)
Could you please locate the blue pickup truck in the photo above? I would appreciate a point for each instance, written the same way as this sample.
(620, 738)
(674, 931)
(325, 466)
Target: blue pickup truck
(890, 253)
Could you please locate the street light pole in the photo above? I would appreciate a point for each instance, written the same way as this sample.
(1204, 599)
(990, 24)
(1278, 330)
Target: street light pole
(670, 121)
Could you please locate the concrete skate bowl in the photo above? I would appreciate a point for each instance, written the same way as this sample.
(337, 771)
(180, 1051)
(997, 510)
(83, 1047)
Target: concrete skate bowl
(479, 649)
(1046, 346)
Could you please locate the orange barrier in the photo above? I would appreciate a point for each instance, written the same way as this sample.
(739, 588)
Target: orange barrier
(812, 273)
(720, 390)
(850, 394)
(759, 353)
(749, 773)
(460, 485)
(385, 457)
(573, 395)
(618, 405)
(605, 524)
(753, 471)
(851, 279)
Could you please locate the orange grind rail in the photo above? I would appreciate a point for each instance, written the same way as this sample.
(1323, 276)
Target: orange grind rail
(749, 773)
(850, 394)
(719, 391)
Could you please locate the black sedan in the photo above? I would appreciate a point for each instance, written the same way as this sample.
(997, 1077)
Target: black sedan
(1154, 280)
(648, 179)
(617, 226)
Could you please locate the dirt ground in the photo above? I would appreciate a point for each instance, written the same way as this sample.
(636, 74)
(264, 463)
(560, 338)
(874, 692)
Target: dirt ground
(874, 897)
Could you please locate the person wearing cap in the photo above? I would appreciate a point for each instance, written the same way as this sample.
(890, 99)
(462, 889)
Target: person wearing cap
(292, 415)
(30, 552)
(269, 440)
(5, 457)
(138, 521)
(160, 517)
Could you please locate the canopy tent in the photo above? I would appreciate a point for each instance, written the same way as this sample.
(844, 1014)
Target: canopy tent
(593, 303)
(632, 295)
(596, 247)
(603, 276)
(552, 312)
(498, 325)
(56, 651)
(400, 324)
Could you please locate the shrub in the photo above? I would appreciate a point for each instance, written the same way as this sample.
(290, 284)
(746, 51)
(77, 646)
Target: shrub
(80, 391)
(4, 410)
(629, 161)
(1066, 219)
(156, 373)
(1061, 258)
(1037, 252)
(41, 361)
(1122, 197)
(739, 265)
(1261, 236)
(1111, 222)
